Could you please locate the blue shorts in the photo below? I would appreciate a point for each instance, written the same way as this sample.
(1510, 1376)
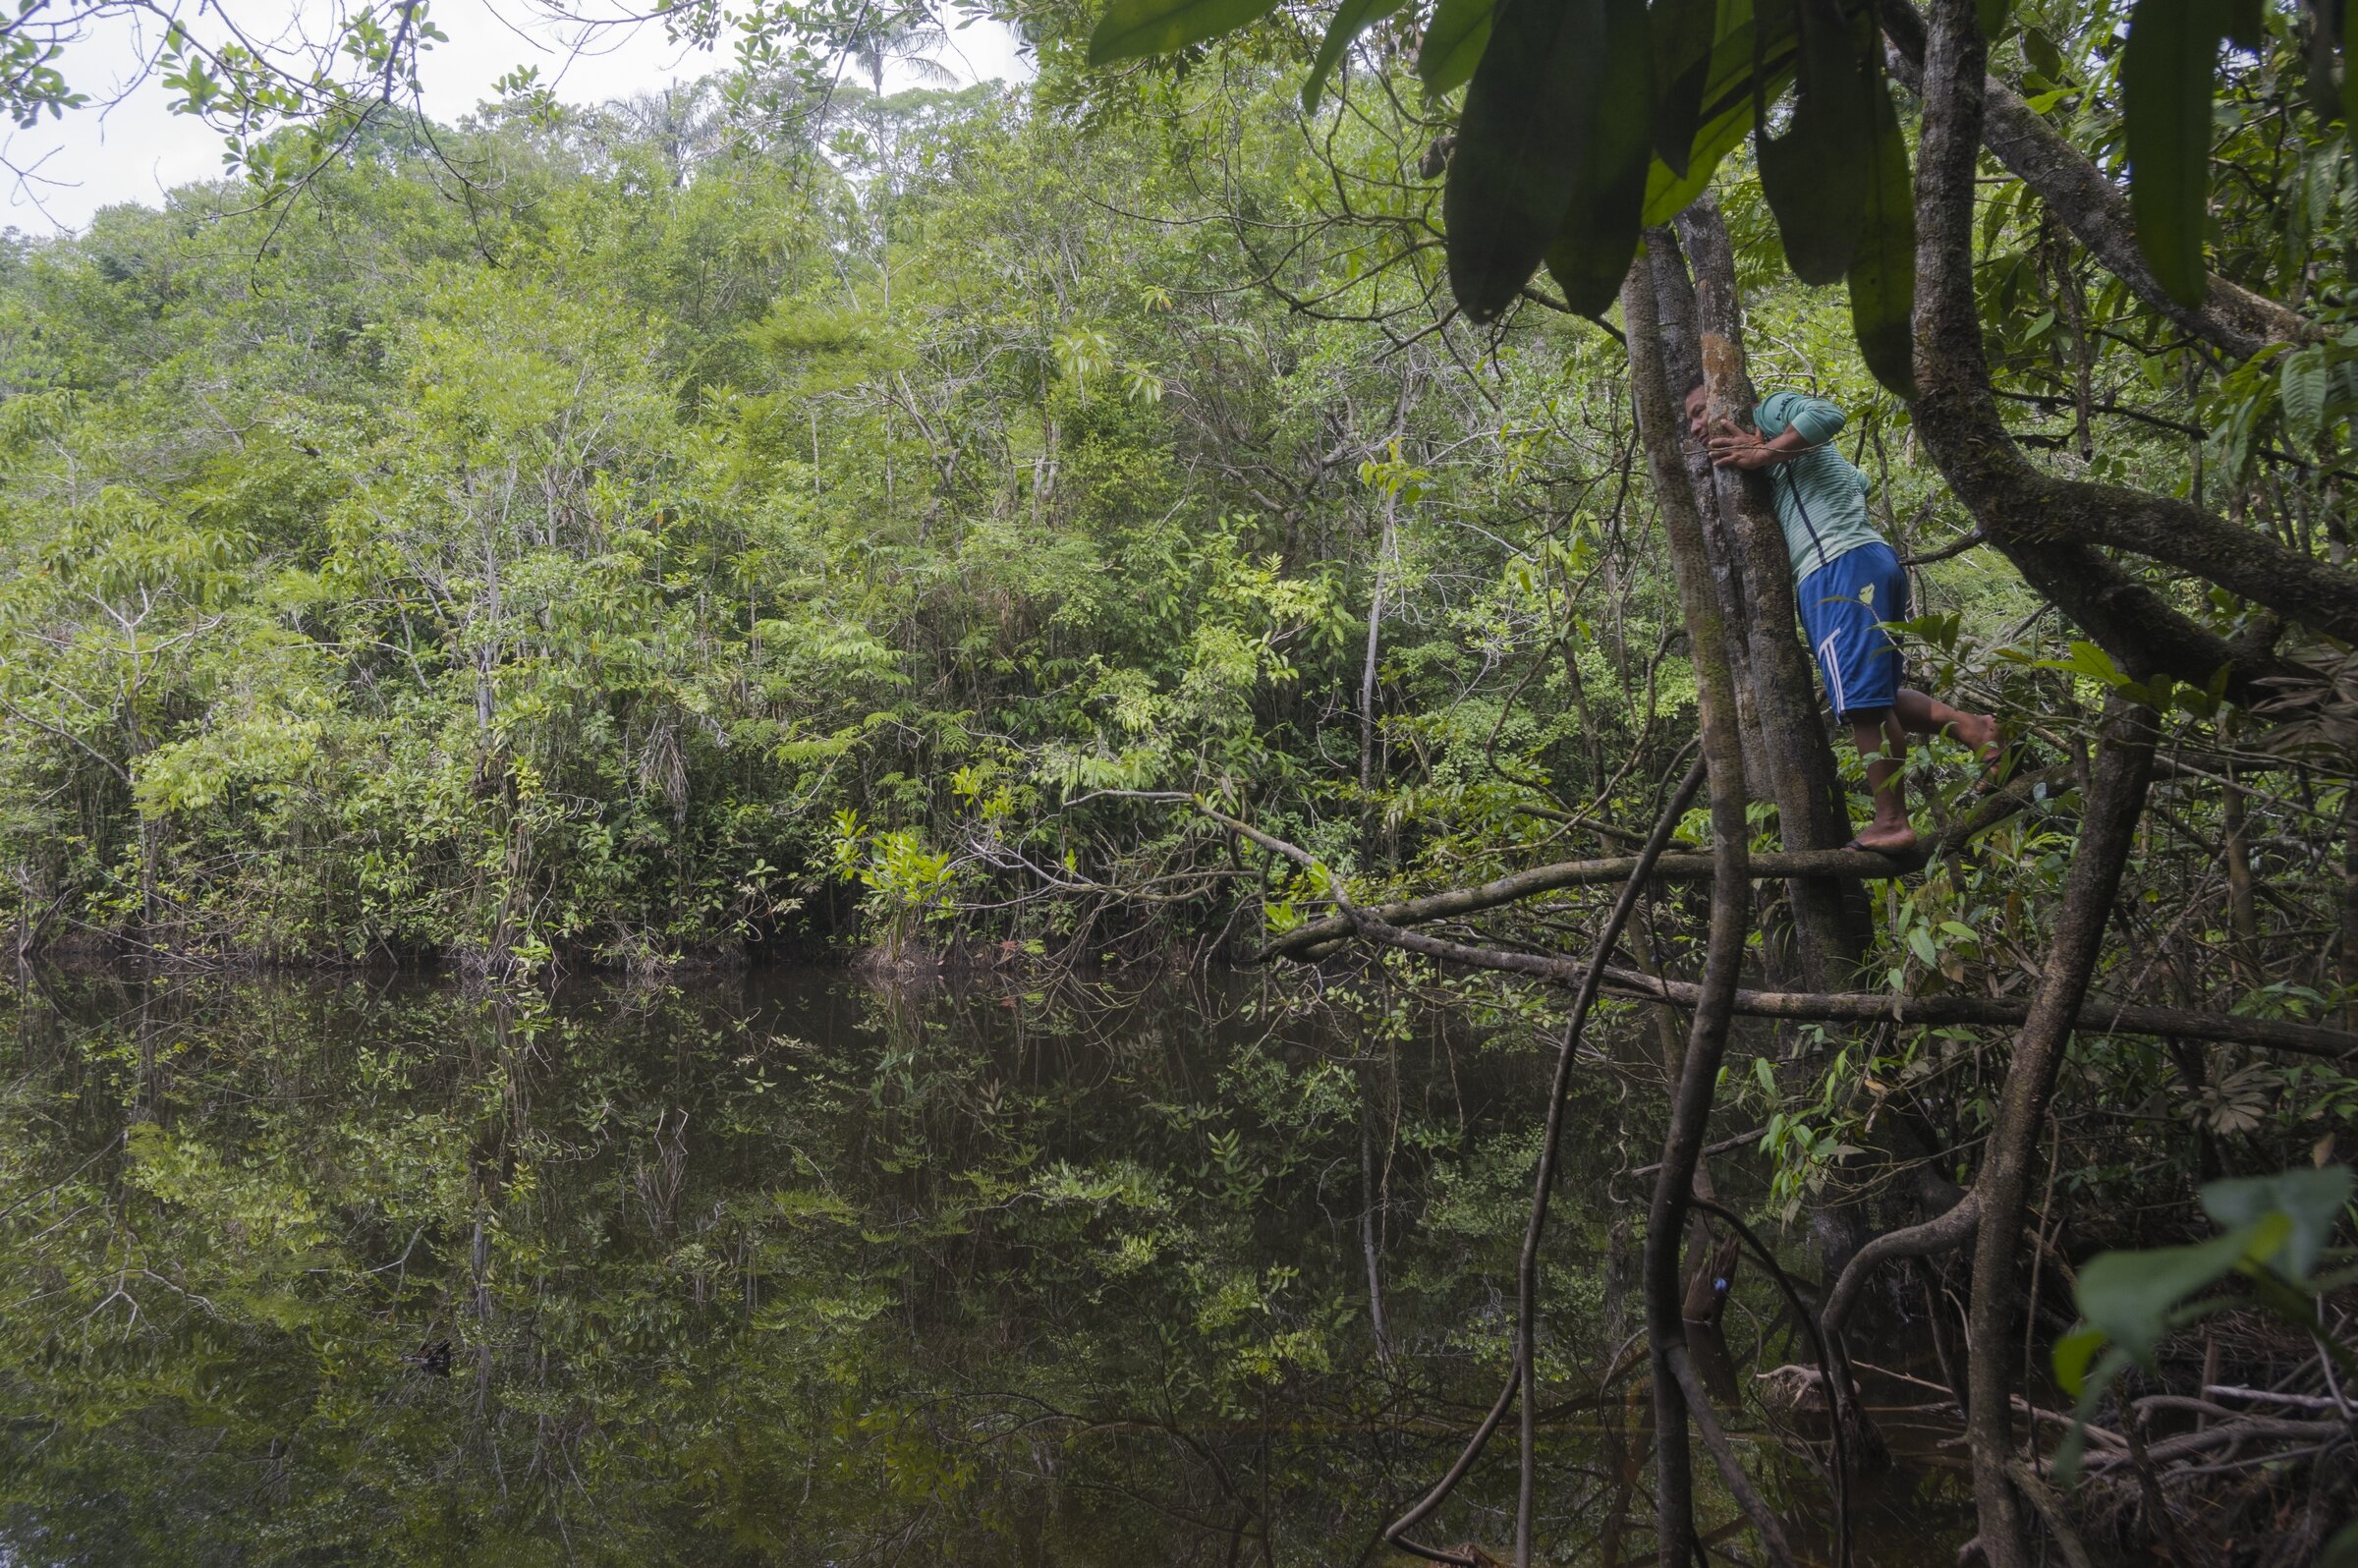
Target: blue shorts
(1843, 606)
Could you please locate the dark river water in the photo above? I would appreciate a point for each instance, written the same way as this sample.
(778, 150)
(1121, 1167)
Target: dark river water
(796, 1267)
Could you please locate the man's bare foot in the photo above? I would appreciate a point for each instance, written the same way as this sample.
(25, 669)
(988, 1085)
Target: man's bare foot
(1981, 731)
(1885, 840)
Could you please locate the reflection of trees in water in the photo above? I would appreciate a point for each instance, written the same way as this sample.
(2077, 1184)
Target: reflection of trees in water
(760, 1270)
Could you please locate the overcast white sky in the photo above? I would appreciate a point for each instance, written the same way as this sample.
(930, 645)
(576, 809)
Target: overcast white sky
(137, 149)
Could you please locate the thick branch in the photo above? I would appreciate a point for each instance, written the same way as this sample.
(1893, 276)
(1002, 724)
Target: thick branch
(1875, 1007)
(2050, 527)
(1858, 865)
(1723, 947)
(1936, 1235)
(2107, 831)
(2047, 511)
(2233, 319)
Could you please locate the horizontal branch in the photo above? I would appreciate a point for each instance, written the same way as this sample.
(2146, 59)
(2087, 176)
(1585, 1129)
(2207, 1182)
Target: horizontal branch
(1998, 1012)
(1858, 865)
(1876, 1007)
(1848, 864)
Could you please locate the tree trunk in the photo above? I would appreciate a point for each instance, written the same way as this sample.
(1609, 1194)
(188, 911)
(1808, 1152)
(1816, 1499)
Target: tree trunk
(1802, 780)
(2114, 801)
(2243, 907)
(1682, 362)
(1690, 1112)
(2346, 965)
(1370, 820)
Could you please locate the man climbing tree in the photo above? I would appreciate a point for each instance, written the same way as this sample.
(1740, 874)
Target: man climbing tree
(1848, 587)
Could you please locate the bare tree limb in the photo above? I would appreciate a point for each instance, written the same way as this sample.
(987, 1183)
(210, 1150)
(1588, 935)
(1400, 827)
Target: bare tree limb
(1748, 1497)
(1936, 1235)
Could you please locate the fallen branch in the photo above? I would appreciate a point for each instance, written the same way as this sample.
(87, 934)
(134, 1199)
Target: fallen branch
(2269, 1396)
(1874, 1007)
(2239, 1431)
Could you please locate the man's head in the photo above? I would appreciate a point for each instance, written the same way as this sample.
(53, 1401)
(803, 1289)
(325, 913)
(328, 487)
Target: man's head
(1694, 408)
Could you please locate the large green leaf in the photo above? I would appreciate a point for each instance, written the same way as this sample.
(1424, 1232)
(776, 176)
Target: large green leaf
(1683, 32)
(2130, 1295)
(1591, 250)
(1522, 140)
(1727, 107)
(1814, 176)
(1133, 29)
(2165, 77)
(1351, 19)
(2310, 1199)
(1668, 193)
(2044, 57)
(1454, 40)
(1882, 274)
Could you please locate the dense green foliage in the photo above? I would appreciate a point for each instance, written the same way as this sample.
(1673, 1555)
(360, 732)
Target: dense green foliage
(603, 561)
(615, 554)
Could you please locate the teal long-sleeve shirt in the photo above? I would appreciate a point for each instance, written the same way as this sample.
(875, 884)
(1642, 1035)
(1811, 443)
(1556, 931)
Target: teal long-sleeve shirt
(1821, 496)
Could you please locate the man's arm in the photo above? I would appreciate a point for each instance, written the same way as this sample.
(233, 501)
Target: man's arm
(1807, 423)
(1732, 448)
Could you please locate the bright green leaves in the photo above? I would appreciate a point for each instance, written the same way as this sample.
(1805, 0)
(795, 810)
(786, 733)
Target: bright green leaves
(1816, 175)
(2310, 1203)
(1599, 233)
(1351, 19)
(1454, 41)
(1523, 144)
(1882, 272)
(2166, 76)
(1131, 29)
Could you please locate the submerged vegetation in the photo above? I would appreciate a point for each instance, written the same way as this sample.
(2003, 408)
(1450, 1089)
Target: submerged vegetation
(1188, 513)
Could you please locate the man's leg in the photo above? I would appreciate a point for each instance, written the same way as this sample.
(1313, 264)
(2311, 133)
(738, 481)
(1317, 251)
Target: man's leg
(1919, 714)
(1882, 741)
